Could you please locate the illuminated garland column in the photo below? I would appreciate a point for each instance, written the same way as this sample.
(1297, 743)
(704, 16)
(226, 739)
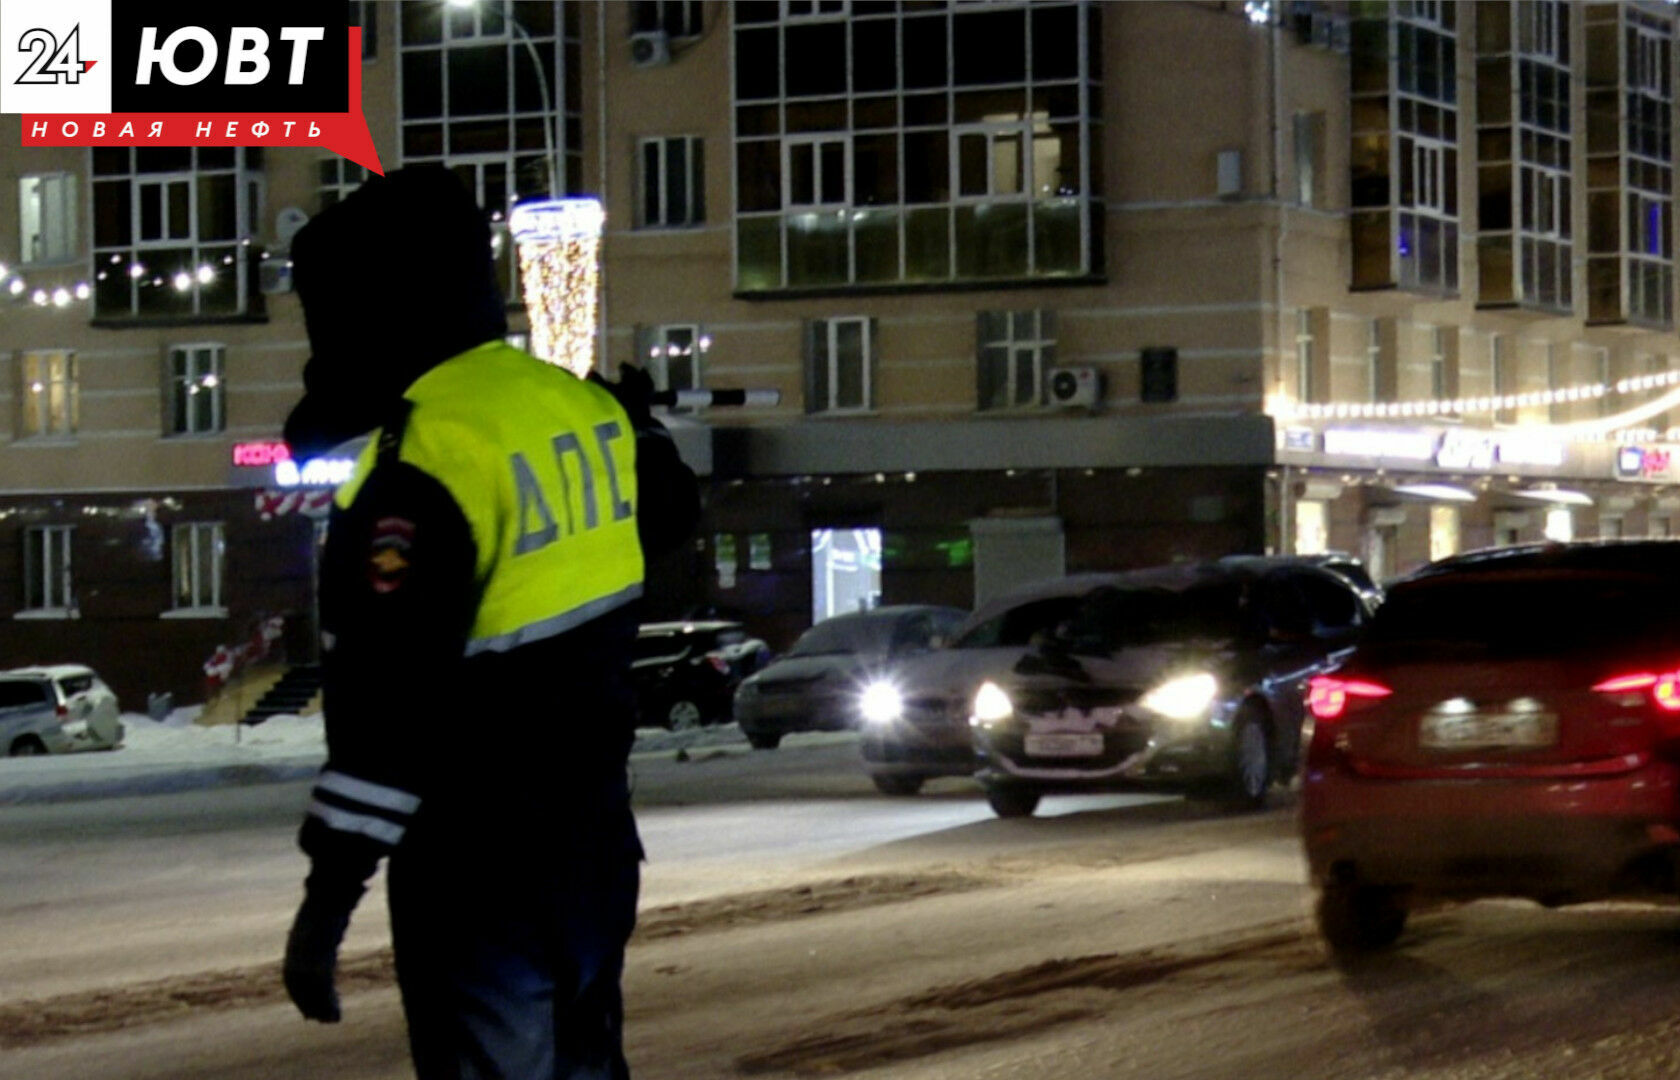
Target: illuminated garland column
(559, 242)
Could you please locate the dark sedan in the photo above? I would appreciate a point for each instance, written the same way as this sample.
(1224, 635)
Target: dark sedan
(815, 685)
(1188, 678)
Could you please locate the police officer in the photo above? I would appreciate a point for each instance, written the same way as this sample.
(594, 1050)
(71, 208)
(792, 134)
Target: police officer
(478, 607)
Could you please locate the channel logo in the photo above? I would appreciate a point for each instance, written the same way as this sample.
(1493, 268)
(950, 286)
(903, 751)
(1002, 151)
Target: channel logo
(134, 73)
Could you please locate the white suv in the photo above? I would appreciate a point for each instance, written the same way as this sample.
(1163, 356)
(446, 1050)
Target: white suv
(86, 706)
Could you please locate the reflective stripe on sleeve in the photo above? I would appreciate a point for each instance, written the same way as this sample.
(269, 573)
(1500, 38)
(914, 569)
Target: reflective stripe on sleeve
(349, 787)
(558, 624)
(377, 828)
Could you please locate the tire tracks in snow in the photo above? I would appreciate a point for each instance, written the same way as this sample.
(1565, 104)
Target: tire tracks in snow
(87, 1012)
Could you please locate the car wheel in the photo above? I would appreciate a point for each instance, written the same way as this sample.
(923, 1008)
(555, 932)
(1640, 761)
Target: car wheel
(28, 746)
(1011, 802)
(888, 784)
(1251, 760)
(1359, 918)
(683, 714)
(764, 740)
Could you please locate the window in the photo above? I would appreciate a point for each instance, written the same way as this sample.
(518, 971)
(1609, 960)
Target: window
(839, 357)
(1440, 387)
(671, 354)
(199, 554)
(47, 218)
(338, 179)
(497, 101)
(1504, 378)
(46, 569)
(1306, 387)
(48, 393)
(1374, 360)
(172, 231)
(673, 182)
(883, 144)
(1017, 349)
(1601, 373)
(678, 18)
(195, 390)
(1309, 156)
(365, 14)
(1312, 527)
(1443, 531)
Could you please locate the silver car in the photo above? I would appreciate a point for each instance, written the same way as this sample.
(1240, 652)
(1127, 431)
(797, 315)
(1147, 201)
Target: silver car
(914, 715)
(814, 686)
(31, 719)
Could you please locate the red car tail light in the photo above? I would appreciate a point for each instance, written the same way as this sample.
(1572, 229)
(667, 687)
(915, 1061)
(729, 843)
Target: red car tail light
(1327, 696)
(1664, 687)
(718, 663)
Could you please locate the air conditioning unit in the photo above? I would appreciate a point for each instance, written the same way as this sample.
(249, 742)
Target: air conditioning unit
(1075, 386)
(274, 275)
(650, 48)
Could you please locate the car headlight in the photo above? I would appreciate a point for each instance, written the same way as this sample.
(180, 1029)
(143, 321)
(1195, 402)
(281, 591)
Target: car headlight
(881, 703)
(1184, 698)
(992, 704)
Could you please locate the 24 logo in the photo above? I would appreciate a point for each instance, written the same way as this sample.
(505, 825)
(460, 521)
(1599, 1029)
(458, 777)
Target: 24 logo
(52, 63)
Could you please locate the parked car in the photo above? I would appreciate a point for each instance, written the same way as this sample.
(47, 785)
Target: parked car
(814, 686)
(685, 673)
(1186, 677)
(30, 718)
(86, 706)
(1510, 726)
(914, 717)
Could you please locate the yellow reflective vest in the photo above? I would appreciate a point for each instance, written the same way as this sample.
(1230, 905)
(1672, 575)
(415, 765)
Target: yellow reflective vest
(543, 467)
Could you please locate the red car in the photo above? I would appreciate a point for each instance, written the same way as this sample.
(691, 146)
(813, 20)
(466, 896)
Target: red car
(1509, 726)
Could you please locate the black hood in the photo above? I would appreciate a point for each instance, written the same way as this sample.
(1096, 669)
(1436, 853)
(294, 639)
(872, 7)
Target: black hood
(394, 280)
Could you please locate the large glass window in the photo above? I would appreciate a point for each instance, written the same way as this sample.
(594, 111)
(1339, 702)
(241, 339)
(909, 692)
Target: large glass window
(46, 569)
(882, 143)
(493, 90)
(339, 178)
(1017, 348)
(200, 552)
(1630, 171)
(839, 365)
(47, 217)
(173, 229)
(1404, 158)
(671, 353)
(195, 390)
(48, 393)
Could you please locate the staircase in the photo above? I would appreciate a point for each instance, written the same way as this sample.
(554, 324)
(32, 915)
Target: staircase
(292, 694)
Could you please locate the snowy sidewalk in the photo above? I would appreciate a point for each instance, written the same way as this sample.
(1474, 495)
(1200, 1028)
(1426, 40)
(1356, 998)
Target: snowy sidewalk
(179, 755)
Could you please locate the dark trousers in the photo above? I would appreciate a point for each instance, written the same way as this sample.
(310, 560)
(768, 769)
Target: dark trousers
(514, 980)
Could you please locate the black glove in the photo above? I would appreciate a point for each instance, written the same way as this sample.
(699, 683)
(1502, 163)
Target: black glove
(634, 390)
(312, 952)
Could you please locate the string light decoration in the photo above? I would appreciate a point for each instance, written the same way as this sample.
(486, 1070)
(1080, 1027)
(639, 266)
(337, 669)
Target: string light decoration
(559, 245)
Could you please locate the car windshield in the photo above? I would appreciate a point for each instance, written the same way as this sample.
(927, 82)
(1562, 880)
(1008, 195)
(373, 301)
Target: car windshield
(1113, 619)
(75, 684)
(844, 635)
(1019, 625)
(1527, 614)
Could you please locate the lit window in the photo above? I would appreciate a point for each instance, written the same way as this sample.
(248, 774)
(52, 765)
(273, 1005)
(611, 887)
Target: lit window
(1443, 531)
(47, 217)
(49, 394)
(671, 354)
(1560, 524)
(1306, 387)
(46, 569)
(200, 552)
(1312, 527)
(196, 390)
(1017, 348)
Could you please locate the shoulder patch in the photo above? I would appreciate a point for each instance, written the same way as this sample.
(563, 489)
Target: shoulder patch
(393, 538)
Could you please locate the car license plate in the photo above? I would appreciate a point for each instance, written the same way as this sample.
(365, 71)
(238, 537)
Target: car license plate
(1478, 731)
(1065, 744)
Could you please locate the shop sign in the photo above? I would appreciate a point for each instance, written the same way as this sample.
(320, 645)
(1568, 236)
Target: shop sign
(1644, 462)
(316, 472)
(268, 452)
(1380, 443)
(1530, 450)
(1298, 438)
(1466, 450)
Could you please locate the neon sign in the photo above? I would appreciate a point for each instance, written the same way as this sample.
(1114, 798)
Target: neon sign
(261, 453)
(316, 472)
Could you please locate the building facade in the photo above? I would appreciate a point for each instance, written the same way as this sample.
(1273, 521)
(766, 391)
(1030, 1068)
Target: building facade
(1043, 286)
